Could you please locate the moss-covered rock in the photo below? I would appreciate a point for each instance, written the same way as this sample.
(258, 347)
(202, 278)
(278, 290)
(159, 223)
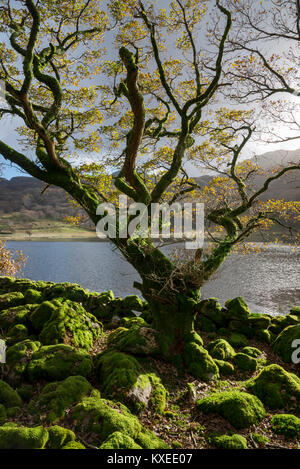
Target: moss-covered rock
(59, 437)
(8, 396)
(237, 308)
(221, 349)
(211, 309)
(57, 397)
(16, 315)
(33, 297)
(244, 362)
(118, 440)
(138, 340)
(230, 442)
(252, 352)
(73, 445)
(105, 417)
(57, 362)
(41, 314)
(18, 357)
(295, 311)
(241, 409)
(199, 363)
(260, 440)
(237, 340)
(10, 300)
(263, 335)
(12, 437)
(66, 322)
(101, 305)
(241, 327)
(283, 345)
(16, 334)
(148, 440)
(259, 321)
(69, 291)
(279, 323)
(276, 388)
(124, 378)
(225, 368)
(287, 425)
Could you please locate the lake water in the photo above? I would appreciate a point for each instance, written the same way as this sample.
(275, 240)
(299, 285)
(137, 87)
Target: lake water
(268, 281)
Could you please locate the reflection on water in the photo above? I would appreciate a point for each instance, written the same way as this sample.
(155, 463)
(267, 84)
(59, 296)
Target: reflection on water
(268, 281)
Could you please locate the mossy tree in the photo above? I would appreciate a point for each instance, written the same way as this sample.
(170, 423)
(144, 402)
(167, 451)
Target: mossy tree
(161, 110)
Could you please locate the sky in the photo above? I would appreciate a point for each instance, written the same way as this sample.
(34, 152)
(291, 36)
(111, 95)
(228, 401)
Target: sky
(9, 136)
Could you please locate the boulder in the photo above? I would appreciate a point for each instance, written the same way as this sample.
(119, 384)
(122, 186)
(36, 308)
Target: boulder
(241, 409)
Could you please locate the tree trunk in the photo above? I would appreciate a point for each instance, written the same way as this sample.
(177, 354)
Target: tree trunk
(174, 323)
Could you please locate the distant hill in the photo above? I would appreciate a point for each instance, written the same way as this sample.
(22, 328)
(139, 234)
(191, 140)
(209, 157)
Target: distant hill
(25, 203)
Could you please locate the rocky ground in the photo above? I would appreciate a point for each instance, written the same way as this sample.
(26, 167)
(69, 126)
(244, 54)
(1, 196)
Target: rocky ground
(83, 371)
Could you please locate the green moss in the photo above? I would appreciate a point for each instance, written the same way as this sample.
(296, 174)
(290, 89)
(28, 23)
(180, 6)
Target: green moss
(101, 305)
(105, 417)
(287, 425)
(225, 368)
(57, 397)
(260, 440)
(295, 310)
(8, 396)
(283, 345)
(221, 349)
(230, 442)
(59, 437)
(241, 409)
(118, 440)
(211, 309)
(259, 321)
(66, 322)
(237, 308)
(9, 300)
(276, 388)
(23, 437)
(237, 340)
(252, 352)
(57, 362)
(245, 363)
(17, 333)
(18, 356)
(279, 323)
(125, 379)
(16, 315)
(199, 363)
(43, 312)
(33, 297)
(264, 336)
(148, 440)
(74, 445)
(66, 290)
(138, 340)
(137, 321)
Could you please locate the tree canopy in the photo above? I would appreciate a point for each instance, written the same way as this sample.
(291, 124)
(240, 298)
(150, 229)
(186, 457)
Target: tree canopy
(148, 89)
